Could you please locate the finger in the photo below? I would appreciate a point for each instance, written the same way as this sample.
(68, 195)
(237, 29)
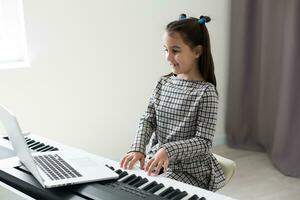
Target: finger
(152, 166)
(122, 161)
(158, 168)
(148, 164)
(142, 162)
(132, 162)
(127, 160)
(166, 165)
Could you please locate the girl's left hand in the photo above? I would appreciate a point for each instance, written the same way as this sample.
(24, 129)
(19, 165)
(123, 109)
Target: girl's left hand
(159, 160)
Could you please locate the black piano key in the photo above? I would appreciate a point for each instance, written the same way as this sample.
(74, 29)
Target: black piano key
(194, 197)
(33, 144)
(47, 149)
(110, 167)
(39, 149)
(141, 182)
(30, 142)
(118, 171)
(54, 149)
(38, 146)
(172, 194)
(180, 195)
(50, 149)
(44, 147)
(166, 191)
(202, 198)
(156, 188)
(132, 182)
(129, 178)
(123, 174)
(150, 185)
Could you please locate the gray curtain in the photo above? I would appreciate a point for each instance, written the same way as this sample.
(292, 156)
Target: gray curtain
(263, 107)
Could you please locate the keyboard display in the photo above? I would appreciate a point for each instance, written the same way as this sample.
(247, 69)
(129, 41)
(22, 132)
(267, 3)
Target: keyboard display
(55, 167)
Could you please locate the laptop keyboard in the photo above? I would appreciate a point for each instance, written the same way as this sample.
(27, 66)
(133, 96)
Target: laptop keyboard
(55, 167)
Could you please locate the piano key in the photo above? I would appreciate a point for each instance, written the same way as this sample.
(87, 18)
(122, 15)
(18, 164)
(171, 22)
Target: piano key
(173, 194)
(47, 149)
(202, 198)
(140, 183)
(180, 195)
(137, 179)
(128, 178)
(118, 171)
(54, 149)
(194, 197)
(38, 146)
(156, 188)
(30, 142)
(42, 148)
(123, 174)
(33, 144)
(50, 149)
(150, 185)
(110, 167)
(166, 191)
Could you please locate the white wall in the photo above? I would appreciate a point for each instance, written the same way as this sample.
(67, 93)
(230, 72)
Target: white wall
(94, 65)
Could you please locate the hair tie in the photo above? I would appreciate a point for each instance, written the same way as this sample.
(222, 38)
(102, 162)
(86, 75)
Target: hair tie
(202, 20)
(182, 16)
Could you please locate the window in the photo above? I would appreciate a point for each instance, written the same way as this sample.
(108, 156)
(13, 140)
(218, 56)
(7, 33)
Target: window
(13, 48)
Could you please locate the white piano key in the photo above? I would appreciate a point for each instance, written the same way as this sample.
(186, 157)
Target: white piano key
(145, 184)
(160, 190)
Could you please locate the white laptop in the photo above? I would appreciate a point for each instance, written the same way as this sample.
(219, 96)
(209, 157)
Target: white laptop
(56, 168)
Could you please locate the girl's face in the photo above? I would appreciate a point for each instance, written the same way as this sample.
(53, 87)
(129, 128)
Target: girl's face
(181, 57)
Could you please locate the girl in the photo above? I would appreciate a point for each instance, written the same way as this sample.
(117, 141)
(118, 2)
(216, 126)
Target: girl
(182, 111)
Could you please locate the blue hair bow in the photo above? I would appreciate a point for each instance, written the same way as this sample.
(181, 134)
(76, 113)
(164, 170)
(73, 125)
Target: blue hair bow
(182, 16)
(201, 20)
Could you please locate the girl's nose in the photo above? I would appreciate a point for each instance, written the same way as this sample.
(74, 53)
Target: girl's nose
(169, 56)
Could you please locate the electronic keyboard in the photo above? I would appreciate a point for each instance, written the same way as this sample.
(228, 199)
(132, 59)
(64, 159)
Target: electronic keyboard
(131, 184)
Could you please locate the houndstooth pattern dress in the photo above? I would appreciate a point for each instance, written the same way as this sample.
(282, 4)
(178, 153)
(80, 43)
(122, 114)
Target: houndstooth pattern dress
(181, 118)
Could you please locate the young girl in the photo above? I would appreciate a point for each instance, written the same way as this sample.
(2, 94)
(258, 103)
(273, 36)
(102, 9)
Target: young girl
(182, 111)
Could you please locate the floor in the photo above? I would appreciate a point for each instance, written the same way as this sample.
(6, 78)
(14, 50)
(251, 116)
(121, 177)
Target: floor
(256, 177)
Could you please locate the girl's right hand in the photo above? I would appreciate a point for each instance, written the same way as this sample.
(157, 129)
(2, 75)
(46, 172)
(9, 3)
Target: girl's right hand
(129, 159)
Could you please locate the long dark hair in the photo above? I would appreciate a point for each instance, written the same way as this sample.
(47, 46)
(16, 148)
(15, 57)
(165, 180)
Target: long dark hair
(193, 34)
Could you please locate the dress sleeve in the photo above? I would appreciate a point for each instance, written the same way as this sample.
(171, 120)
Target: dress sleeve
(206, 125)
(147, 124)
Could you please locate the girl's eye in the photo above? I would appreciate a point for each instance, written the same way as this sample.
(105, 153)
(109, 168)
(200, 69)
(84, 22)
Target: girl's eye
(175, 51)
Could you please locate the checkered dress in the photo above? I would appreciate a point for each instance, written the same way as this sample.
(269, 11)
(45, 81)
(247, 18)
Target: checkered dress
(181, 118)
